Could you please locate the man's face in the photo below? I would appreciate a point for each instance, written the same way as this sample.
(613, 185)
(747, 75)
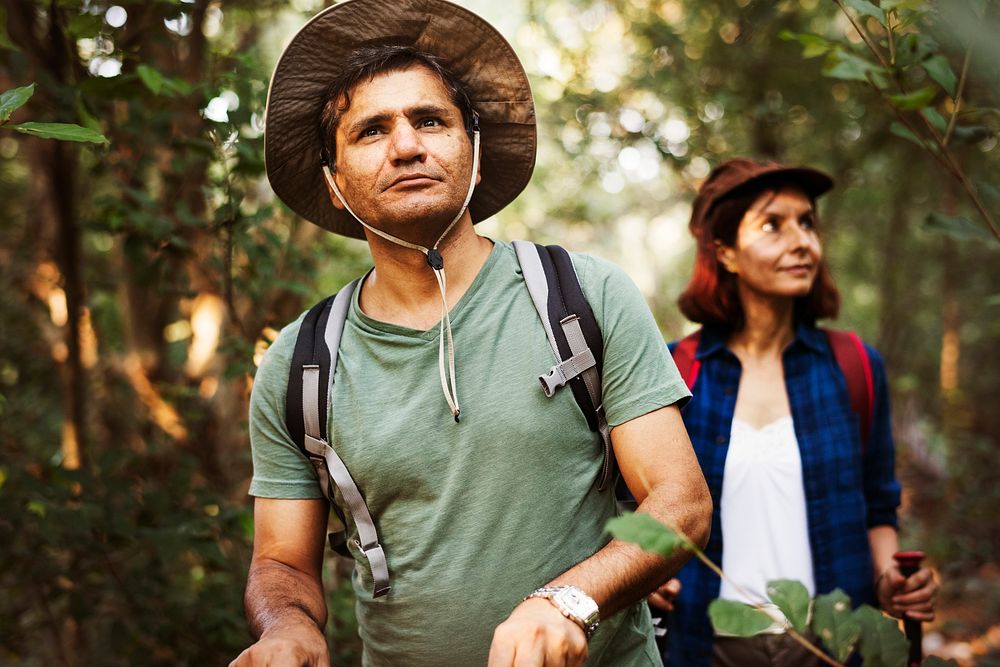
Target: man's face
(403, 154)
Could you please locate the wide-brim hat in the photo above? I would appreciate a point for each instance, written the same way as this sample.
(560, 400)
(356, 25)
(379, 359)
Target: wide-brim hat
(737, 175)
(467, 45)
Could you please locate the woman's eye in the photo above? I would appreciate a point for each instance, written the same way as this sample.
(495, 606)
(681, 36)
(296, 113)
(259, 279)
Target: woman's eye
(770, 225)
(807, 223)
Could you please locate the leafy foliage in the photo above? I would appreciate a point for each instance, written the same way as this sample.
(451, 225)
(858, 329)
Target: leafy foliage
(736, 618)
(792, 599)
(882, 644)
(648, 533)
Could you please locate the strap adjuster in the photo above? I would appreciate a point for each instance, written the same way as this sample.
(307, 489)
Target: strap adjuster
(565, 371)
(376, 559)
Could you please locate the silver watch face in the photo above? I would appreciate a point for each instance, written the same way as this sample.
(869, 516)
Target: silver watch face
(578, 603)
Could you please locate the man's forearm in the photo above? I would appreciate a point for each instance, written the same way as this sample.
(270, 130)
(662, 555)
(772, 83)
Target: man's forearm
(621, 573)
(278, 596)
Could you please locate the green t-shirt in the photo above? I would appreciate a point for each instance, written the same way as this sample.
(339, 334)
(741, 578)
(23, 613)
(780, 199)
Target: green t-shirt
(474, 515)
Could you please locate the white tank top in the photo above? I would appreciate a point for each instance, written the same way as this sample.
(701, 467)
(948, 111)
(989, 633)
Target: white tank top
(764, 527)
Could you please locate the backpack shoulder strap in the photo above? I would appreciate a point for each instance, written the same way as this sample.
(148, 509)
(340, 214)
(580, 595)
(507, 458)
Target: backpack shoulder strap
(310, 383)
(684, 358)
(573, 333)
(856, 366)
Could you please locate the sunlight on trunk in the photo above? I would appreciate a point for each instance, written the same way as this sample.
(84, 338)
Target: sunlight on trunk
(207, 313)
(163, 414)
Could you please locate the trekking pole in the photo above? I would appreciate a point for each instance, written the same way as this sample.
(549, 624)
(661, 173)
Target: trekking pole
(909, 563)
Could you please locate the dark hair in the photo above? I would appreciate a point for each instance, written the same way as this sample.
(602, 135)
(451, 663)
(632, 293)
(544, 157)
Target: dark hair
(712, 296)
(364, 64)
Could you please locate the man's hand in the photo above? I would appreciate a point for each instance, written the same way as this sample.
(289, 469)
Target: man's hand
(910, 597)
(536, 634)
(300, 645)
(663, 597)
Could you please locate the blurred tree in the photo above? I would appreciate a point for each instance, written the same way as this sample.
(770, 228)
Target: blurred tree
(144, 277)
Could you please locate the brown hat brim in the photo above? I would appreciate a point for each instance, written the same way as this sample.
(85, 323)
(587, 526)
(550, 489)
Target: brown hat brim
(737, 176)
(469, 46)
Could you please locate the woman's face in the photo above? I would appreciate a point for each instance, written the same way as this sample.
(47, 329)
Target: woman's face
(777, 251)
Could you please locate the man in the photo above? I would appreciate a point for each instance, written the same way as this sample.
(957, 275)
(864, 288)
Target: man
(408, 123)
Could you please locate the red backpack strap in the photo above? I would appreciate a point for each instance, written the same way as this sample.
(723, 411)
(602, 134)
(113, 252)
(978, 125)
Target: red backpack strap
(852, 357)
(685, 360)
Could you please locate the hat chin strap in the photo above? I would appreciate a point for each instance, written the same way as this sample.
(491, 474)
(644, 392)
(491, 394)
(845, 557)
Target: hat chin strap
(436, 262)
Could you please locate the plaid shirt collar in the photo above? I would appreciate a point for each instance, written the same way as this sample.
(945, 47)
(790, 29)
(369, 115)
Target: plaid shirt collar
(713, 341)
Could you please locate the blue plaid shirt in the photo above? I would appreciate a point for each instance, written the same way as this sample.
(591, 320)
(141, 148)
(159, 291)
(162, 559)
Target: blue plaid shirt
(847, 491)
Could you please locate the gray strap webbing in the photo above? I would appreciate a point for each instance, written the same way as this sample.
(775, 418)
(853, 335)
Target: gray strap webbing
(538, 286)
(582, 360)
(578, 346)
(367, 534)
(328, 463)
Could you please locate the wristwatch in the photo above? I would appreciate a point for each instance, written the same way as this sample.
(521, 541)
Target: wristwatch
(572, 603)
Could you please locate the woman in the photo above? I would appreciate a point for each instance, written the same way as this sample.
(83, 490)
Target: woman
(798, 492)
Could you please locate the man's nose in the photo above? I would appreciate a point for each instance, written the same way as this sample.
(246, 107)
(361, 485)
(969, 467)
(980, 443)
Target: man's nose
(406, 144)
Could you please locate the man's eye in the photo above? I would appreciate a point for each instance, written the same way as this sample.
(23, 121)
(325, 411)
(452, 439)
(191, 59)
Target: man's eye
(429, 122)
(369, 132)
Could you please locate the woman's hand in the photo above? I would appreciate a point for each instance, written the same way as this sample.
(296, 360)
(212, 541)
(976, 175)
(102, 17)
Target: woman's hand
(909, 597)
(663, 597)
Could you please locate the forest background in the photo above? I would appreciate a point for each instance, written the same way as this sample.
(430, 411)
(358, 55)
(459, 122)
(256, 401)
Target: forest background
(144, 276)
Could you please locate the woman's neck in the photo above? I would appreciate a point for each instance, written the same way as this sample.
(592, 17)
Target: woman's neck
(768, 325)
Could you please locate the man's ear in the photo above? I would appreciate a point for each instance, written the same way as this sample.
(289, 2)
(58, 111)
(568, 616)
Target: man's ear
(328, 177)
(726, 256)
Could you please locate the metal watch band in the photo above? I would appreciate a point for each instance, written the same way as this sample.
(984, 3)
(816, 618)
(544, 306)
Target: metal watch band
(588, 622)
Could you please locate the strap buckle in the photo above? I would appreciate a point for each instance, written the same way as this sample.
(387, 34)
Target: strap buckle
(565, 371)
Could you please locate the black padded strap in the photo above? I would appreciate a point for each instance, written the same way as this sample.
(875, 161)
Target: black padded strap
(309, 350)
(566, 297)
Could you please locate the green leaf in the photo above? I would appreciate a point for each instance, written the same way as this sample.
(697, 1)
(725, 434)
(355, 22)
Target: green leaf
(37, 507)
(904, 132)
(735, 618)
(956, 227)
(647, 532)
(792, 599)
(61, 131)
(867, 9)
(812, 45)
(918, 99)
(151, 78)
(936, 119)
(901, 4)
(178, 86)
(971, 134)
(847, 66)
(85, 25)
(834, 624)
(882, 644)
(12, 99)
(989, 192)
(939, 69)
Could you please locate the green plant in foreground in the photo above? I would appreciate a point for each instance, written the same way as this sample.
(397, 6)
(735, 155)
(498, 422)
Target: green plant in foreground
(13, 99)
(829, 617)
